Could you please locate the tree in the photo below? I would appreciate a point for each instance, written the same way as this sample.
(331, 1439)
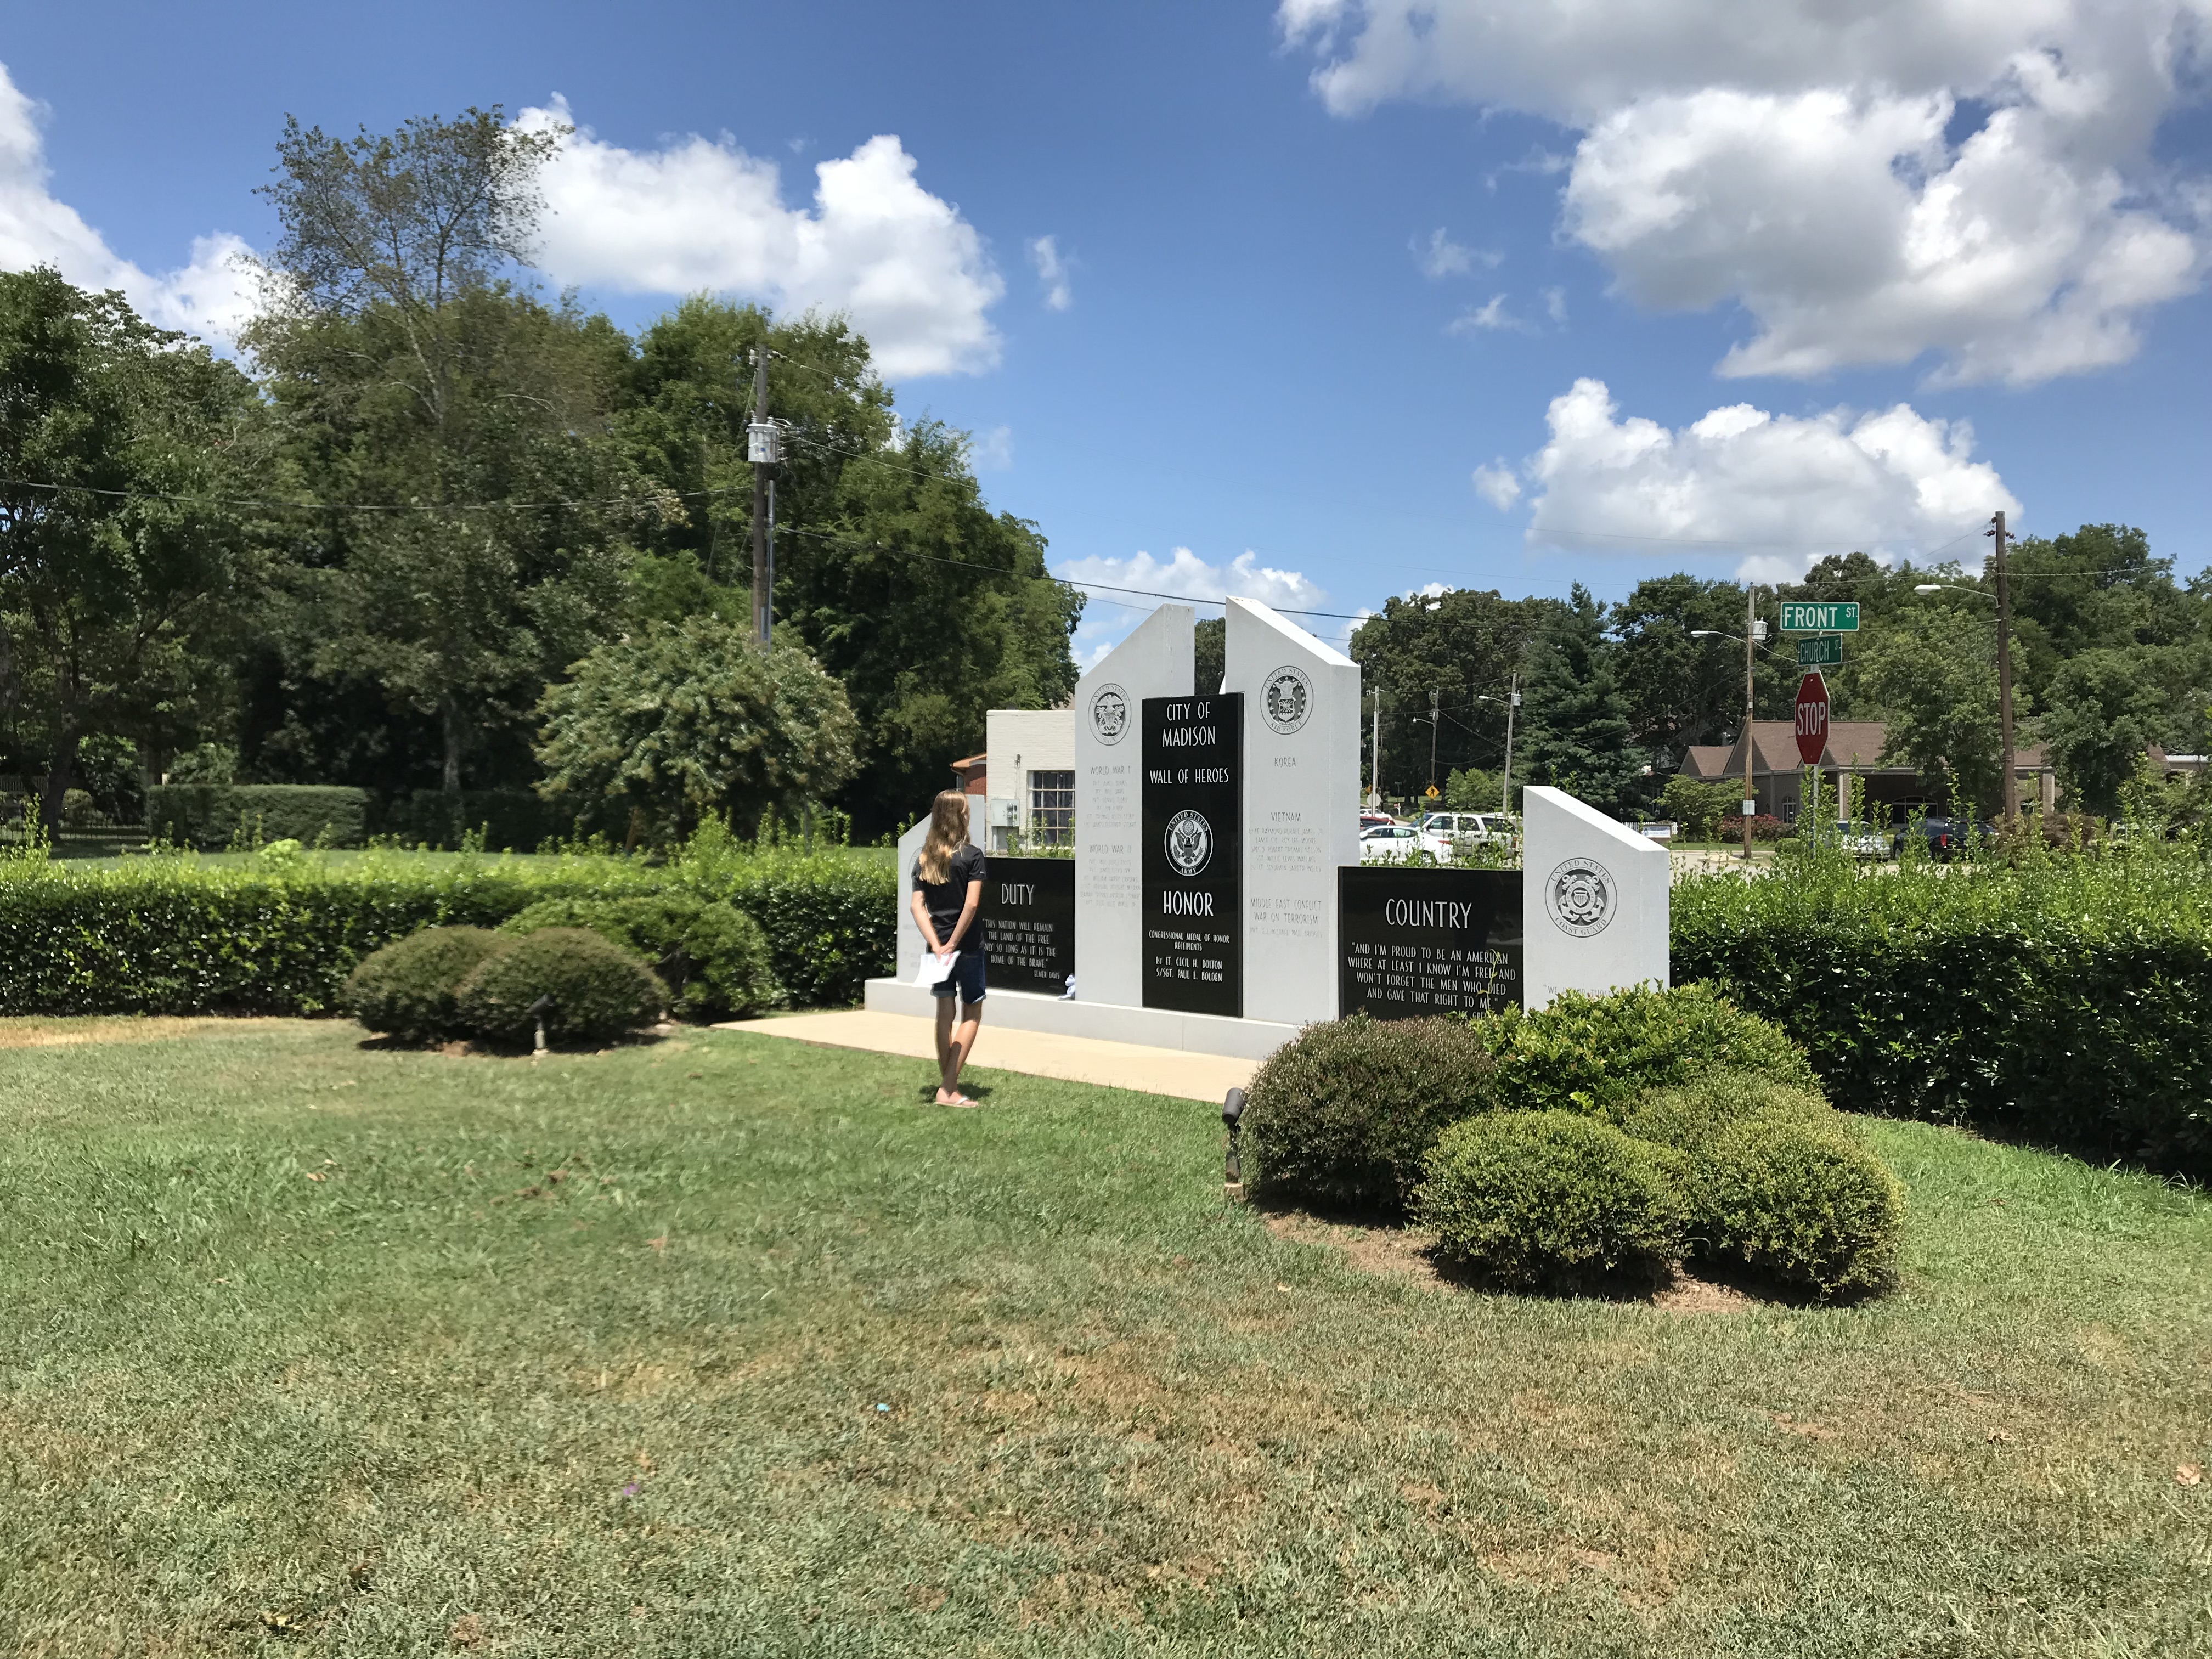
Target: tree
(1682, 690)
(1932, 671)
(1579, 736)
(1210, 654)
(461, 428)
(683, 720)
(1466, 647)
(1699, 807)
(2107, 707)
(120, 446)
(2096, 589)
(925, 605)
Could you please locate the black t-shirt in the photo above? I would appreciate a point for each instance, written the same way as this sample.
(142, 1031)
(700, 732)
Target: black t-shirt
(943, 900)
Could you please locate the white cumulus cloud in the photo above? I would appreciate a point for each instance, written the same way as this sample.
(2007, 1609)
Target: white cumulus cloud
(1187, 576)
(911, 274)
(1972, 179)
(212, 295)
(1496, 484)
(993, 452)
(1787, 488)
(1054, 270)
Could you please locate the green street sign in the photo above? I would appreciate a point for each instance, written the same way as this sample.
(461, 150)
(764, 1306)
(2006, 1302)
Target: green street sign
(1821, 650)
(1808, 617)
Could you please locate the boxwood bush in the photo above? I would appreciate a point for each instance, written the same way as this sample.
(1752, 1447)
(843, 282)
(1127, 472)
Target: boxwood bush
(2059, 999)
(597, 990)
(712, 956)
(1776, 1179)
(407, 988)
(1342, 1114)
(1551, 1198)
(1598, 1054)
(1805, 1201)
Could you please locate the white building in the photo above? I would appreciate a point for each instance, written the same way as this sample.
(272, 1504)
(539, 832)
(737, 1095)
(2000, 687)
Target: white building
(1029, 777)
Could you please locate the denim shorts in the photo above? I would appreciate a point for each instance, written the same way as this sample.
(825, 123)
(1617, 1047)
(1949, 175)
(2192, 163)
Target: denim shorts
(967, 977)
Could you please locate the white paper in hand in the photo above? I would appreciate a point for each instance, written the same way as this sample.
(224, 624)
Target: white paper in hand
(935, 970)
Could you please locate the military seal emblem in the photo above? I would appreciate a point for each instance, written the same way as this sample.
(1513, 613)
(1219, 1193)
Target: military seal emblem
(1581, 894)
(1189, 843)
(1287, 700)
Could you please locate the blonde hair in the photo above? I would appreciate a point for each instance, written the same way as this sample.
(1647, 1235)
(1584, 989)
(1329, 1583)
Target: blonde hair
(948, 834)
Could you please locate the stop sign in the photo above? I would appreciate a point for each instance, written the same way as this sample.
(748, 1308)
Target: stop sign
(1812, 719)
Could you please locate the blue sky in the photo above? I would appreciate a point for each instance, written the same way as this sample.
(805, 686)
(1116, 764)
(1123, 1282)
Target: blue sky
(1353, 296)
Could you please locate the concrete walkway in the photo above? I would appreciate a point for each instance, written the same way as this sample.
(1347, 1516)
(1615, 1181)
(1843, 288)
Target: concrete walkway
(1035, 1054)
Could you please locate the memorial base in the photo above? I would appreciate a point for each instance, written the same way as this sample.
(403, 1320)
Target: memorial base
(1106, 1022)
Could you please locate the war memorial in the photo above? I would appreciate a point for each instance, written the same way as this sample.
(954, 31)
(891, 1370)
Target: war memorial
(1216, 901)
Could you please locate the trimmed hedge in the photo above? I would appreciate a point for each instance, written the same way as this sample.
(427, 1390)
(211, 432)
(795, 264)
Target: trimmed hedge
(1548, 1198)
(711, 955)
(175, 936)
(1803, 1201)
(213, 815)
(594, 989)
(510, 820)
(1343, 1114)
(1598, 1054)
(1777, 1179)
(2062, 1001)
(407, 989)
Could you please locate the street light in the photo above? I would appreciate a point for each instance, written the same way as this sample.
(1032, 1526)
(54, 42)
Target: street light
(1512, 702)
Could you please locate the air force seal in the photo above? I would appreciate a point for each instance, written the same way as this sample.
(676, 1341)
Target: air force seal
(1109, 714)
(1581, 897)
(1285, 700)
(1189, 843)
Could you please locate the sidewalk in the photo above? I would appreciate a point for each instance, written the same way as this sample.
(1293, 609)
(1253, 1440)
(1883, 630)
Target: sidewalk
(1172, 1071)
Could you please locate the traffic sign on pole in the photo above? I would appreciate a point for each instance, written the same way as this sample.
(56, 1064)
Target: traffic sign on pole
(1820, 616)
(1812, 718)
(1820, 650)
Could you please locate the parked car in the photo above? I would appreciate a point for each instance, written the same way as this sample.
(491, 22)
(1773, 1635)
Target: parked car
(1371, 817)
(1443, 833)
(1389, 843)
(1861, 839)
(1943, 837)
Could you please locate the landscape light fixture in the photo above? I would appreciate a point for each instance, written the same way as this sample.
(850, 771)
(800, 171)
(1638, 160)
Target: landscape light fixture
(539, 1008)
(1232, 1172)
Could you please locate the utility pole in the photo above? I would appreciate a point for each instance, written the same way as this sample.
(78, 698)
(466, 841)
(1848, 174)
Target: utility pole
(1434, 695)
(1375, 763)
(1512, 702)
(762, 452)
(1996, 531)
(1750, 627)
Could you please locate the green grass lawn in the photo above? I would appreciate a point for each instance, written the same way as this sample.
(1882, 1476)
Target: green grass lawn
(729, 1345)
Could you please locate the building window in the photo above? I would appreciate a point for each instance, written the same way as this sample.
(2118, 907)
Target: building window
(1052, 807)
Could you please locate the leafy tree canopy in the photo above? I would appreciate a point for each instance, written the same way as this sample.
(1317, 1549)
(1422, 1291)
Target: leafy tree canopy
(681, 721)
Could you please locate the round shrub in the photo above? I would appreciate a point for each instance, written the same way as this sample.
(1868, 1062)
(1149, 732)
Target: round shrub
(1597, 1053)
(1341, 1114)
(1690, 1117)
(713, 956)
(1548, 1198)
(1801, 1200)
(599, 990)
(408, 988)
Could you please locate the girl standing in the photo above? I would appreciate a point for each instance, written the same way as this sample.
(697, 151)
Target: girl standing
(948, 892)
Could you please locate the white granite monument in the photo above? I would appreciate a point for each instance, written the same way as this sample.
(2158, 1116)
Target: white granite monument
(1594, 901)
(1157, 660)
(1301, 808)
